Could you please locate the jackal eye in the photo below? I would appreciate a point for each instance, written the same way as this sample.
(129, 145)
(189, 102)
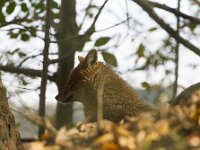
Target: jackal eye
(70, 82)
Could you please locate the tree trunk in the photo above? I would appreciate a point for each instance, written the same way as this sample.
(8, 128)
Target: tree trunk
(67, 40)
(9, 135)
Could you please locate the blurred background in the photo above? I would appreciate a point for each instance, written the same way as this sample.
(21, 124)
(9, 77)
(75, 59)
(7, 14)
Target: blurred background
(159, 59)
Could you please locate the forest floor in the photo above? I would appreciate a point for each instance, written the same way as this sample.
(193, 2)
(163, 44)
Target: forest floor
(169, 128)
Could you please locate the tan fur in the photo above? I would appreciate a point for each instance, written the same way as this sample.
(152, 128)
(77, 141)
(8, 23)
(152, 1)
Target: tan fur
(119, 99)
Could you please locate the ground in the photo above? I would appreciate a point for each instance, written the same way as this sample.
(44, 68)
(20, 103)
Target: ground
(176, 128)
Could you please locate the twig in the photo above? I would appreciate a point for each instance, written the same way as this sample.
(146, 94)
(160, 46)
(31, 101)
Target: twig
(117, 24)
(53, 61)
(79, 36)
(127, 14)
(27, 58)
(175, 11)
(45, 67)
(86, 12)
(35, 118)
(90, 30)
(149, 9)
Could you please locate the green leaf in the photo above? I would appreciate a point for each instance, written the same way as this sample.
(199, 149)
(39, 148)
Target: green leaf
(192, 26)
(146, 85)
(23, 81)
(167, 71)
(90, 15)
(13, 35)
(24, 7)
(54, 4)
(25, 37)
(40, 5)
(102, 41)
(21, 54)
(13, 52)
(152, 29)
(2, 2)
(2, 17)
(109, 59)
(55, 15)
(11, 7)
(140, 50)
(33, 32)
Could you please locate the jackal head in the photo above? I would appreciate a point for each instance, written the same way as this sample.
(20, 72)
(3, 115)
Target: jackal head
(79, 78)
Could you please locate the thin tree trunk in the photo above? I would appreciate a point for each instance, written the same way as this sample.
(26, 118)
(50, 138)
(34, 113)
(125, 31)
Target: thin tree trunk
(67, 42)
(9, 135)
(45, 68)
(176, 55)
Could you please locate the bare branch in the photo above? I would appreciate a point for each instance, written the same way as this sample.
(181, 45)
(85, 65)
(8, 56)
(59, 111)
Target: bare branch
(90, 30)
(149, 9)
(15, 21)
(27, 58)
(86, 12)
(53, 61)
(25, 71)
(175, 11)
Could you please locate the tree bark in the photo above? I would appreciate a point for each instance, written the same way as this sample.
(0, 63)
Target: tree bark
(67, 42)
(9, 138)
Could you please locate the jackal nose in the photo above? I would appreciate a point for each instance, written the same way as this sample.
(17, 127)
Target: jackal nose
(56, 97)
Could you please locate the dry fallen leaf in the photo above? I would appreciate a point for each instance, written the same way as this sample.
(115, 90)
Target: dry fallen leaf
(162, 127)
(42, 146)
(103, 139)
(110, 146)
(127, 143)
(194, 140)
(140, 136)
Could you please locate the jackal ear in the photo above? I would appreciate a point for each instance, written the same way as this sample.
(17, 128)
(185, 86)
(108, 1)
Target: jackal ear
(81, 59)
(91, 57)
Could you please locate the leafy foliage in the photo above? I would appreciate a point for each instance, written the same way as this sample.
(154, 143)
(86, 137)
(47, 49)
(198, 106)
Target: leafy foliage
(109, 59)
